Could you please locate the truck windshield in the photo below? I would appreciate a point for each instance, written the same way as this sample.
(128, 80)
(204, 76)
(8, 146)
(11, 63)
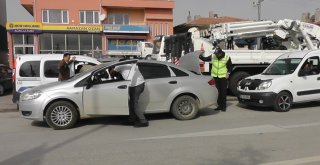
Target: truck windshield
(282, 66)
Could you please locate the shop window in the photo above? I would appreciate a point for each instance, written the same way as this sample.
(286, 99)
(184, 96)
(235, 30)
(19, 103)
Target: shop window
(45, 43)
(118, 19)
(59, 44)
(23, 39)
(89, 17)
(30, 69)
(72, 42)
(55, 16)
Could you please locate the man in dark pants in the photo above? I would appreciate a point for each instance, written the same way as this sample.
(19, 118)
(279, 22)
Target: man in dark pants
(136, 87)
(63, 67)
(221, 68)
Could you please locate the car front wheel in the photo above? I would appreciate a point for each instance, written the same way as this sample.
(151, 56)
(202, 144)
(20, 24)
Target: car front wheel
(283, 102)
(185, 108)
(61, 115)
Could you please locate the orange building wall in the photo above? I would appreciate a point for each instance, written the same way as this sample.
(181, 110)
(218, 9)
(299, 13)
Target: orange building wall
(136, 16)
(73, 6)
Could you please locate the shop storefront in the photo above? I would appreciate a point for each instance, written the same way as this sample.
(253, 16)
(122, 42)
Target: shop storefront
(122, 39)
(36, 38)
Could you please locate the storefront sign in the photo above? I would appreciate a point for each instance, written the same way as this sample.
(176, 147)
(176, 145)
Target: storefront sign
(125, 29)
(93, 29)
(24, 27)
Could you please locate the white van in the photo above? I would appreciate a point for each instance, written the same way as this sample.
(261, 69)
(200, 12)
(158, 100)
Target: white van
(291, 78)
(34, 70)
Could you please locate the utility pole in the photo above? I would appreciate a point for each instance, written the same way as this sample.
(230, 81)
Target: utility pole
(258, 4)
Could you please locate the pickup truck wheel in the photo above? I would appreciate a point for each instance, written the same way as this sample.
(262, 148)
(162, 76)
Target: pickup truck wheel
(283, 102)
(234, 79)
(1, 90)
(185, 108)
(61, 115)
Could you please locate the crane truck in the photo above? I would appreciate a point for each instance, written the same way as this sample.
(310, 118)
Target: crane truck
(257, 44)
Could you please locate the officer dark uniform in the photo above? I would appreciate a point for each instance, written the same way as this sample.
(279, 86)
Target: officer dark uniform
(221, 69)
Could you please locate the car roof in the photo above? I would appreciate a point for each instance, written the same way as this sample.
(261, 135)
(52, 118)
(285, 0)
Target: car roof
(297, 54)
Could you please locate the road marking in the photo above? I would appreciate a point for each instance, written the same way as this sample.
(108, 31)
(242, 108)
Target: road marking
(301, 125)
(235, 131)
(296, 161)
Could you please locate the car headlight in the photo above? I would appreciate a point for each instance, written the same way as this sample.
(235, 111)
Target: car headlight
(238, 84)
(30, 95)
(264, 85)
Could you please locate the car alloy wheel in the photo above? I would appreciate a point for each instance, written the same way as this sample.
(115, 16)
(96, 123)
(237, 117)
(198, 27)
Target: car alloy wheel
(283, 102)
(61, 115)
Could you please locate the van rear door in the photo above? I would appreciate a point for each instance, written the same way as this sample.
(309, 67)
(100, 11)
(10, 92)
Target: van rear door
(27, 74)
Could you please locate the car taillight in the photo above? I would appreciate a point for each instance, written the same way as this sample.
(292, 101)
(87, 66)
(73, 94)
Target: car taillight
(212, 82)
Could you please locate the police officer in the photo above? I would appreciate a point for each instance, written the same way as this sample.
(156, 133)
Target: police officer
(221, 68)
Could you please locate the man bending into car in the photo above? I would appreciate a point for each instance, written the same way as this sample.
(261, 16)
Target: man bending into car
(136, 87)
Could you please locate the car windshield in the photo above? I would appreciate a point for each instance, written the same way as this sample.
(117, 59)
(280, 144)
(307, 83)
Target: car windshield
(283, 66)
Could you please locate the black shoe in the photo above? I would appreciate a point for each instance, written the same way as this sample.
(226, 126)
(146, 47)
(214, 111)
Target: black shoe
(218, 109)
(223, 109)
(141, 124)
(128, 123)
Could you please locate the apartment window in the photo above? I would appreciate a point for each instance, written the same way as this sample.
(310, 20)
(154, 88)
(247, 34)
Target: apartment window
(55, 16)
(89, 17)
(118, 19)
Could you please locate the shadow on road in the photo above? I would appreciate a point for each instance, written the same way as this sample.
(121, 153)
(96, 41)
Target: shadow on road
(268, 109)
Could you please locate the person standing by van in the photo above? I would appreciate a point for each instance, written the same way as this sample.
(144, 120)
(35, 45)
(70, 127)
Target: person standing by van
(63, 67)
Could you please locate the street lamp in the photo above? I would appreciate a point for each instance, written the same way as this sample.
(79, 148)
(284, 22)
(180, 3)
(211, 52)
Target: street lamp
(257, 3)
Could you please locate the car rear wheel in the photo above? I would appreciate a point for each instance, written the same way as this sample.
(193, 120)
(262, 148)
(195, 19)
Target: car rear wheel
(283, 102)
(185, 108)
(61, 115)
(1, 90)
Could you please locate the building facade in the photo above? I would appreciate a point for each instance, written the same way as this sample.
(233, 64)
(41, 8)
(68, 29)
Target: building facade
(94, 28)
(3, 33)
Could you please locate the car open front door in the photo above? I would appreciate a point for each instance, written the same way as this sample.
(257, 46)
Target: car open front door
(106, 99)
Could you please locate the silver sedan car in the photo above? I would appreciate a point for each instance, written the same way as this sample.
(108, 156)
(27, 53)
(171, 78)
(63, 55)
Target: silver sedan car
(169, 88)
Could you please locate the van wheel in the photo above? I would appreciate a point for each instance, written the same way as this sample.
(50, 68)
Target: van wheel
(61, 115)
(283, 102)
(185, 108)
(1, 90)
(234, 79)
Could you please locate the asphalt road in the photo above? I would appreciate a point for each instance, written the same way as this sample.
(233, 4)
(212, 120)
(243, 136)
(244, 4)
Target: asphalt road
(240, 136)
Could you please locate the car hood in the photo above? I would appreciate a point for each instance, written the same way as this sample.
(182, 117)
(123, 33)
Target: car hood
(190, 62)
(264, 77)
(53, 86)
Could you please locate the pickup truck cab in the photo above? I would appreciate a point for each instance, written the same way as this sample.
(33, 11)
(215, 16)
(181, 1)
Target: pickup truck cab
(291, 78)
(34, 70)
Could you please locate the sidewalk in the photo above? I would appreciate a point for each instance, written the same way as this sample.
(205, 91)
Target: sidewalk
(6, 104)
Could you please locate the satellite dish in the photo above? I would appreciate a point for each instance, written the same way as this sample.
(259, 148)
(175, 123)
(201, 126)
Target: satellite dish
(102, 17)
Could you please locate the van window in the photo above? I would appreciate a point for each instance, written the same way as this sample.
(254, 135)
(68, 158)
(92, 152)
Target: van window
(30, 69)
(51, 69)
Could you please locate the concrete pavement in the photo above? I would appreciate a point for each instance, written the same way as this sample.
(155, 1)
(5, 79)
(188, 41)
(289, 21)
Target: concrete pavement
(240, 136)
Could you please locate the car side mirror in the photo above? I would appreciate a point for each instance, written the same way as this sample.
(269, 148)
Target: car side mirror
(89, 83)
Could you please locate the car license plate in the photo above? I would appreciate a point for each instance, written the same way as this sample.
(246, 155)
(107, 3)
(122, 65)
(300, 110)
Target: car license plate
(245, 97)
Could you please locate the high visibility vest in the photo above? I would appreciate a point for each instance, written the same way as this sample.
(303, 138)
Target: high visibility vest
(219, 67)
